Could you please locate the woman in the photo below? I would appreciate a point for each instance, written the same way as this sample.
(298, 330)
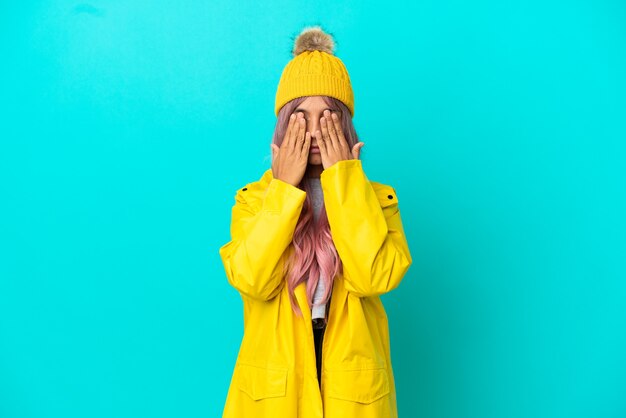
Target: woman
(311, 231)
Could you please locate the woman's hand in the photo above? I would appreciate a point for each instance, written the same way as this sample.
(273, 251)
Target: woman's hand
(289, 162)
(332, 143)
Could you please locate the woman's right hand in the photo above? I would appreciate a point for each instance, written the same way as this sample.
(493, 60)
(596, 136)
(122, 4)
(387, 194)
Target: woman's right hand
(289, 162)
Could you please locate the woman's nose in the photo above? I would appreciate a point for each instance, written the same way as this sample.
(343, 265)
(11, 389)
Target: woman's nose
(312, 126)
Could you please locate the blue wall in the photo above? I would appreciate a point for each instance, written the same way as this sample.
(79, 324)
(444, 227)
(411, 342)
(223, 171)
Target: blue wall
(127, 127)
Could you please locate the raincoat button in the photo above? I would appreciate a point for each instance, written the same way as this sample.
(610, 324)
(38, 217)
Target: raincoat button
(390, 196)
(245, 188)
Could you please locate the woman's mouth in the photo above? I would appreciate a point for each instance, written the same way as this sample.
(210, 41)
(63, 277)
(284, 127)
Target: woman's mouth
(315, 150)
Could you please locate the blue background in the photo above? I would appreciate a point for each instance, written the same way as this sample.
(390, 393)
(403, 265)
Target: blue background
(127, 127)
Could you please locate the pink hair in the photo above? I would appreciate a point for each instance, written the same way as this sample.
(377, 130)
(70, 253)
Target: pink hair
(314, 248)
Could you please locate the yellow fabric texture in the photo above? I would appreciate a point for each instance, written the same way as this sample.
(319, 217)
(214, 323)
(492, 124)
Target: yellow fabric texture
(275, 373)
(314, 73)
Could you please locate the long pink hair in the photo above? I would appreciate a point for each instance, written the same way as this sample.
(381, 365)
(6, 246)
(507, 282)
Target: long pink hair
(314, 248)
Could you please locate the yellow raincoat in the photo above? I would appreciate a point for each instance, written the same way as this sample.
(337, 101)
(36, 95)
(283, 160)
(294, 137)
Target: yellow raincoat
(275, 374)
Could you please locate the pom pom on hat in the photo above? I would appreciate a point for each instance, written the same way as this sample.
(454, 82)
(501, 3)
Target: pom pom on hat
(313, 38)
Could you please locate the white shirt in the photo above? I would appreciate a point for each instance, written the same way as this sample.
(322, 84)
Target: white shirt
(317, 198)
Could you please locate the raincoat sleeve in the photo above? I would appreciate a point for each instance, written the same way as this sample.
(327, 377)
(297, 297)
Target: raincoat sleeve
(368, 235)
(259, 238)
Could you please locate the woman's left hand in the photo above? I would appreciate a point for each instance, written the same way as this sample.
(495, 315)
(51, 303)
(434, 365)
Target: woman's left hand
(332, 143)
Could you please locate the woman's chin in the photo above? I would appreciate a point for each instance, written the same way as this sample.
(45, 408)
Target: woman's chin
(315, 159)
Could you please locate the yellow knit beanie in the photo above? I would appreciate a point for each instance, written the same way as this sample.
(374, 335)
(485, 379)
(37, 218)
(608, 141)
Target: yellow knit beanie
(314, 71)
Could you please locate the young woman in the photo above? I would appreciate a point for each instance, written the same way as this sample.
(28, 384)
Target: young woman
(314, 244)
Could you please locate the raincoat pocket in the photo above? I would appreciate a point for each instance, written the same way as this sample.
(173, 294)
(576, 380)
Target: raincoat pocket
(360, 385)
(260, 382)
